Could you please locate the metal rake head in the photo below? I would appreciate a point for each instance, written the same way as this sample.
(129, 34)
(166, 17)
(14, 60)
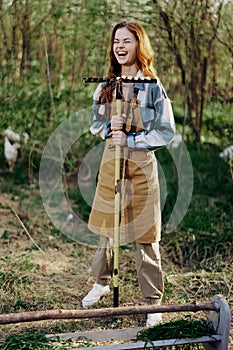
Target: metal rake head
(123, 78)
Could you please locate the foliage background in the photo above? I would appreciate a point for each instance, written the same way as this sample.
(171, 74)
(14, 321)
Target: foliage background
(47, 47)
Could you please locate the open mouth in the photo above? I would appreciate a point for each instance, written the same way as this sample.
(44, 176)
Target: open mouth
(122, 53)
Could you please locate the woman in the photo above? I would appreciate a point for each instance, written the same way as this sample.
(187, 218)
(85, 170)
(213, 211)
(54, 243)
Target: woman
(146, 124)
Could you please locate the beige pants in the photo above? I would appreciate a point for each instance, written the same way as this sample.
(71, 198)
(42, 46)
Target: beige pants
(148, 266)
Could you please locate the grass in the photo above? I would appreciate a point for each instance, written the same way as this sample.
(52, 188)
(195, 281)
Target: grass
(29, 342)
(182, 328)
(177, 329)
(196, 256)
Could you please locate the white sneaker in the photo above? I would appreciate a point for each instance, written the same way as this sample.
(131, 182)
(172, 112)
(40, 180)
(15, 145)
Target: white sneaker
(94, 295)
(152, 319)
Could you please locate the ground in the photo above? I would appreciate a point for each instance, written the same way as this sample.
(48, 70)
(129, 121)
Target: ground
(42, 269)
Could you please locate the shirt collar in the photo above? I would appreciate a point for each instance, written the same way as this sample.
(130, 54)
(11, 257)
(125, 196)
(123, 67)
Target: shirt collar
(139, 86)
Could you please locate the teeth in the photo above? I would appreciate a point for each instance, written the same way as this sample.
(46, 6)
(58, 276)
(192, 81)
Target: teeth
(122, 53)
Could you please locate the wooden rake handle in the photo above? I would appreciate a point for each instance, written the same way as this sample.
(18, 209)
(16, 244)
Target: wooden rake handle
(117, 205)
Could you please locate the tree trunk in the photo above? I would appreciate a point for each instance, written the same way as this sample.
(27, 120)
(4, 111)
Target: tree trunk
(26, 39)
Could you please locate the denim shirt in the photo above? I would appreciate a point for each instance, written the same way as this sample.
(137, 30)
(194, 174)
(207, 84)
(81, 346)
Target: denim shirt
(156, 114)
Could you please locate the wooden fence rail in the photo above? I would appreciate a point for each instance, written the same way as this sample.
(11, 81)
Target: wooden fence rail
(32, 316)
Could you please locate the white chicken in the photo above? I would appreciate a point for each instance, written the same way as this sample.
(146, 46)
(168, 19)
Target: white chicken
(14, 137)
(10, 152)
(11, 135)
(227, 153)
(11, 146)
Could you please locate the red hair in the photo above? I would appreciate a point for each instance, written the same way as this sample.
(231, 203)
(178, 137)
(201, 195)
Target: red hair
(145, 56)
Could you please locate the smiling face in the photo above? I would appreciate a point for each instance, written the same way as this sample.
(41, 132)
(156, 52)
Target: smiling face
(125, 47)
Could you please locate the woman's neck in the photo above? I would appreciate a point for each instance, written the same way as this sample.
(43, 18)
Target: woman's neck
(129, 70)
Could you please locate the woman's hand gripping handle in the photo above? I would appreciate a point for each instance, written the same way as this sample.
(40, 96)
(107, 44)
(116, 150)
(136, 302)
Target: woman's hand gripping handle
(118, 136)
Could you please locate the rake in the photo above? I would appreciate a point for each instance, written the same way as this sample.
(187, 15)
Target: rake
(117, 200)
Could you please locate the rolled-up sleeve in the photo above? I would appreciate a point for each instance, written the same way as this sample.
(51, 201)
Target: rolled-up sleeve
(100, 126)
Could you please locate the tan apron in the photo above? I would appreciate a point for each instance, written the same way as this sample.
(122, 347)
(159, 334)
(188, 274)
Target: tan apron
(140, 219)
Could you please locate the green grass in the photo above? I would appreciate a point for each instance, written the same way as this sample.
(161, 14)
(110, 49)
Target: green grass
(29, 342)
(177, 329)
(206, 230)
(34, 341)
